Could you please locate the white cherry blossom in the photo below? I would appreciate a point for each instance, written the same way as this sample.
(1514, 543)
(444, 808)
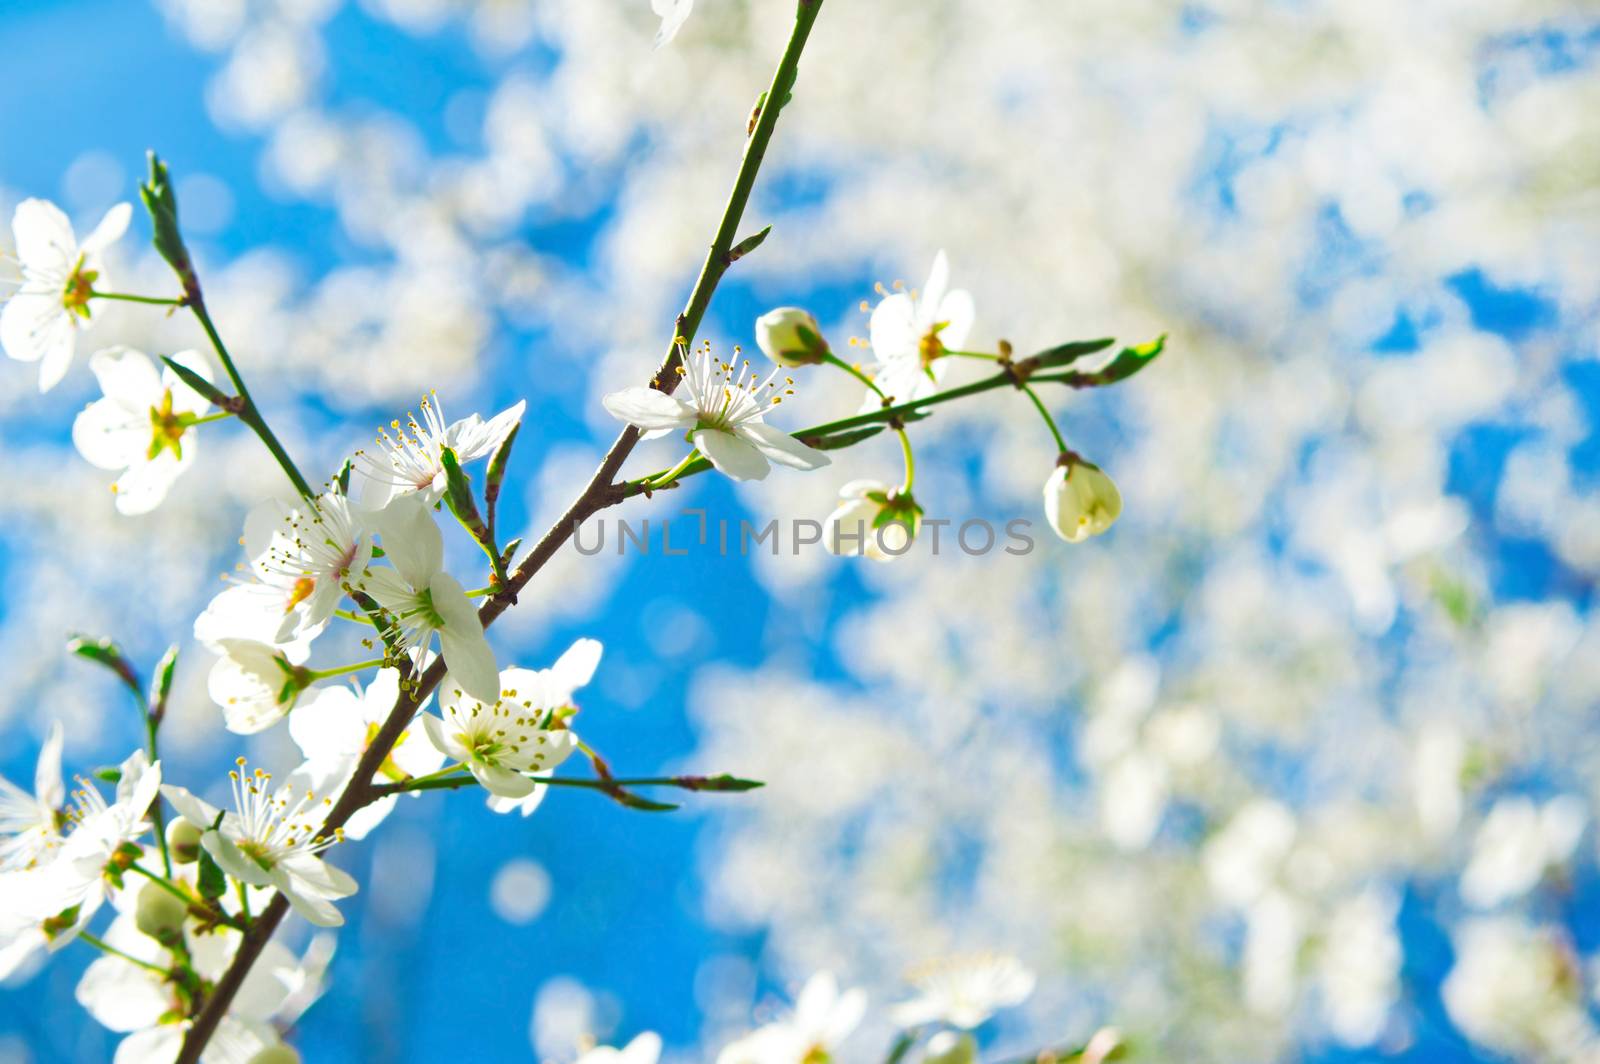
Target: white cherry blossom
(965, 991)
(306, 552)
(822, 1018)
(61, 896)
(140, 1002)
(275, 839)
(30, 824)
(333, 727)
(408, 460)
(256, 685)
(40, 322)
(911, 331)
(721, 407)
(143, 425)
(500, 742)
(557, 686)
(425, 600)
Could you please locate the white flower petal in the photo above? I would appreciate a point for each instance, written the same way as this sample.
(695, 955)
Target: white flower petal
(190, 806)
(444, 738)
(674, 13)
(411, 540)
(782, 447)
(731, 455)
(328, 722)
(109, 231)
(145, 484)
(121, 996)
(110, 436)
(45, 243)
(47, 785)
(575, 668)
(892, 330)
(128, 375)
(501, 781)
(462, 642)
(650, 410)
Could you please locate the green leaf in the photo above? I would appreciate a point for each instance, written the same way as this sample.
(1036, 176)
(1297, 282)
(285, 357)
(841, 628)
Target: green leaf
(847, 439)
(1130, 360)
(1068, 353)
(105, 653)
(634, 801)
(497, 468)
(161, 683)
(747, 245)
(216, 395)
(724, 782)
(458, 495)
(162, 204)
(213, 884)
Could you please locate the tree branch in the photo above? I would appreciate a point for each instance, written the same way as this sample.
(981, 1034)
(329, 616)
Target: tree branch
(599, 494)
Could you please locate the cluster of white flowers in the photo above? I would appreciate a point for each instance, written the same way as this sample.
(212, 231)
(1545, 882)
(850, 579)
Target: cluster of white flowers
(64, 861)
(1298, 600)
(955, 996)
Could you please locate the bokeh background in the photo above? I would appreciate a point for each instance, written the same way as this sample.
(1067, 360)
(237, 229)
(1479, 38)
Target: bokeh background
(1298, 763)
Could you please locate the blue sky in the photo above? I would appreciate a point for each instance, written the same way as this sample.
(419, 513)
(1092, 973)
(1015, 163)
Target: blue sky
(625, 914)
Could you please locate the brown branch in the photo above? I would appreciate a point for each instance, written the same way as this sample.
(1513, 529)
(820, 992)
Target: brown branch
(601, 492)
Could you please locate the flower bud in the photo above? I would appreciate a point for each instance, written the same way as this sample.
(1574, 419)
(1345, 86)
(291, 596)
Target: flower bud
(183, 841)
(949, 1047)
(790, 337)
(1079, 500)
(873, 521)
(277, 1054)
(160, 914)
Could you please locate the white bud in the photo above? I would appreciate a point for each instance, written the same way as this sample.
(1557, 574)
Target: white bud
(873, 521)
(159, 914)
(790, 337)
(1080, 501)
(183, 841)
(277, 1054)
(949, 1047)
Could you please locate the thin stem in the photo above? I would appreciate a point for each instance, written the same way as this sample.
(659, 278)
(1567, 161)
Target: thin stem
(1019, 373)
(901, 1046)
(163, 882)
(250, 415)
(244, 899)
(947, 353)
(422, 783)
(911, 462)
(453, 780)
(598, 494)
(193, 903)
(105, 947)
(221, 415)
(345, 670)
(1061, 444)
(158, 816)
(834, 360)
(123, 297)
(667, 477)
(352, 615)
